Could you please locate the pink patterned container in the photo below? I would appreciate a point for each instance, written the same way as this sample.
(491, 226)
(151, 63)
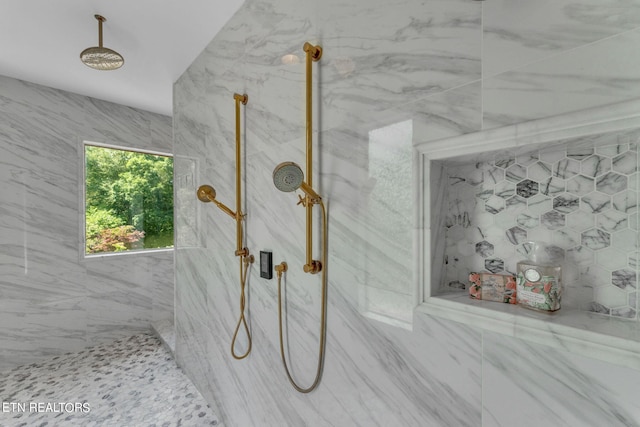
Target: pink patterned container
(493, 287)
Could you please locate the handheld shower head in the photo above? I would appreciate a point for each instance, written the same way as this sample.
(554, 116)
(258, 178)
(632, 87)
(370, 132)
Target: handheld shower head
(206, 193)
(288, 176)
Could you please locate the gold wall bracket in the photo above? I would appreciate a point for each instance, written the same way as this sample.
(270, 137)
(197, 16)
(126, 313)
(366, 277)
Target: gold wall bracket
(244, 98)
(314, 51)
(281, 268)
(243, 252)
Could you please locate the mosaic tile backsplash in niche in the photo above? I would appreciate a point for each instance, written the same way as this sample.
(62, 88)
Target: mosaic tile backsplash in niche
(583, 199)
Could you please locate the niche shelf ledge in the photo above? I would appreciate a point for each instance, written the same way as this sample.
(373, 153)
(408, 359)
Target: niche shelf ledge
(605, 338)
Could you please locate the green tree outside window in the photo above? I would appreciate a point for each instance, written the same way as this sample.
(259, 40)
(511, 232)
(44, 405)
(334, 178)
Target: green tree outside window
(128, 200)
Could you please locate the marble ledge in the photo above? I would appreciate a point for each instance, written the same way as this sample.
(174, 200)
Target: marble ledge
(608, 339)
(165, 330)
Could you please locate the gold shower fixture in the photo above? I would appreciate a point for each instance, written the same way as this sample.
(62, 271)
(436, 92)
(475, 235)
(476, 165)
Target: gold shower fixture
(100, 57)
(207, 193)
(287, 177)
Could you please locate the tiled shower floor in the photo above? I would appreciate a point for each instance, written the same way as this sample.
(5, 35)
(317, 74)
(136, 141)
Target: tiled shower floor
(133, 382)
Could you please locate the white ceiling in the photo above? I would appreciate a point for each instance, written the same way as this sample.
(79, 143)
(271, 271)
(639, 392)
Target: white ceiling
(41, 41)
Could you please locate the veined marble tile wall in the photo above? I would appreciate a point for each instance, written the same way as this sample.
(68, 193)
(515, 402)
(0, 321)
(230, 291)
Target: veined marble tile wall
(392, 73)
(550, 57)
(51, 301)
(580, 197)
(532, 386)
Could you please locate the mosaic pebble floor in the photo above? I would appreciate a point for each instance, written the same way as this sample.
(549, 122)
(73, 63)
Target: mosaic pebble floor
(132, 382)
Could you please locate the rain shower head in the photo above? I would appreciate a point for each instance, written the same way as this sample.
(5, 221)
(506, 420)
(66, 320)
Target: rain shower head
(99, 57)
(288, 176)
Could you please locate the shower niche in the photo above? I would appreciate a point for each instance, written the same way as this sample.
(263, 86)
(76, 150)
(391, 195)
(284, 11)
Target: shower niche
(571, 181)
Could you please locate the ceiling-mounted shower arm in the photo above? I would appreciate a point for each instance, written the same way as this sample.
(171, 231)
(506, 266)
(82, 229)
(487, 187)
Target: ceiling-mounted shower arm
(100, 19)
(100, 57)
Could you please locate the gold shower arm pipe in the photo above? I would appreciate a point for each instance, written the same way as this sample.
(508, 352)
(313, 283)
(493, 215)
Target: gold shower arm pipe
(206, 193)
(313, 54)
(240, 251)
(225, 209)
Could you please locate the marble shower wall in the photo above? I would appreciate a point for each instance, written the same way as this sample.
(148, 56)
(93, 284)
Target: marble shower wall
(549, 57)
(392, 74)
(51, 300)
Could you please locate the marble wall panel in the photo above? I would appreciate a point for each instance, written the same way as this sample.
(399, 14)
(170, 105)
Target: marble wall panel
(161, 133)
(66, 302)
(406, 63)
(119, 296)
(273, 132)
(586, 76)
(385, 54)
(163, 278)
(192, 335)
(519, 33)
(32, 330)
(532, 385)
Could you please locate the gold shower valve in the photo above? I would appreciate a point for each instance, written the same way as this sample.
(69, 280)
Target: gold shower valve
(314, 267)
(281, 268)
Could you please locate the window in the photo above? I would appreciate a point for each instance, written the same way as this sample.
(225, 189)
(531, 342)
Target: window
(128, 199)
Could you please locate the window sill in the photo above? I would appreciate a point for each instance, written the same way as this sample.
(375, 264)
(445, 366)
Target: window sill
(141, 252)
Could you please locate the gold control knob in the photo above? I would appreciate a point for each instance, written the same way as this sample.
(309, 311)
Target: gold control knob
(313, 268)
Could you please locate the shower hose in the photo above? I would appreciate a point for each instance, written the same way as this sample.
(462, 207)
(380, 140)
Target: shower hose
(245, 260)
(323, 312)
